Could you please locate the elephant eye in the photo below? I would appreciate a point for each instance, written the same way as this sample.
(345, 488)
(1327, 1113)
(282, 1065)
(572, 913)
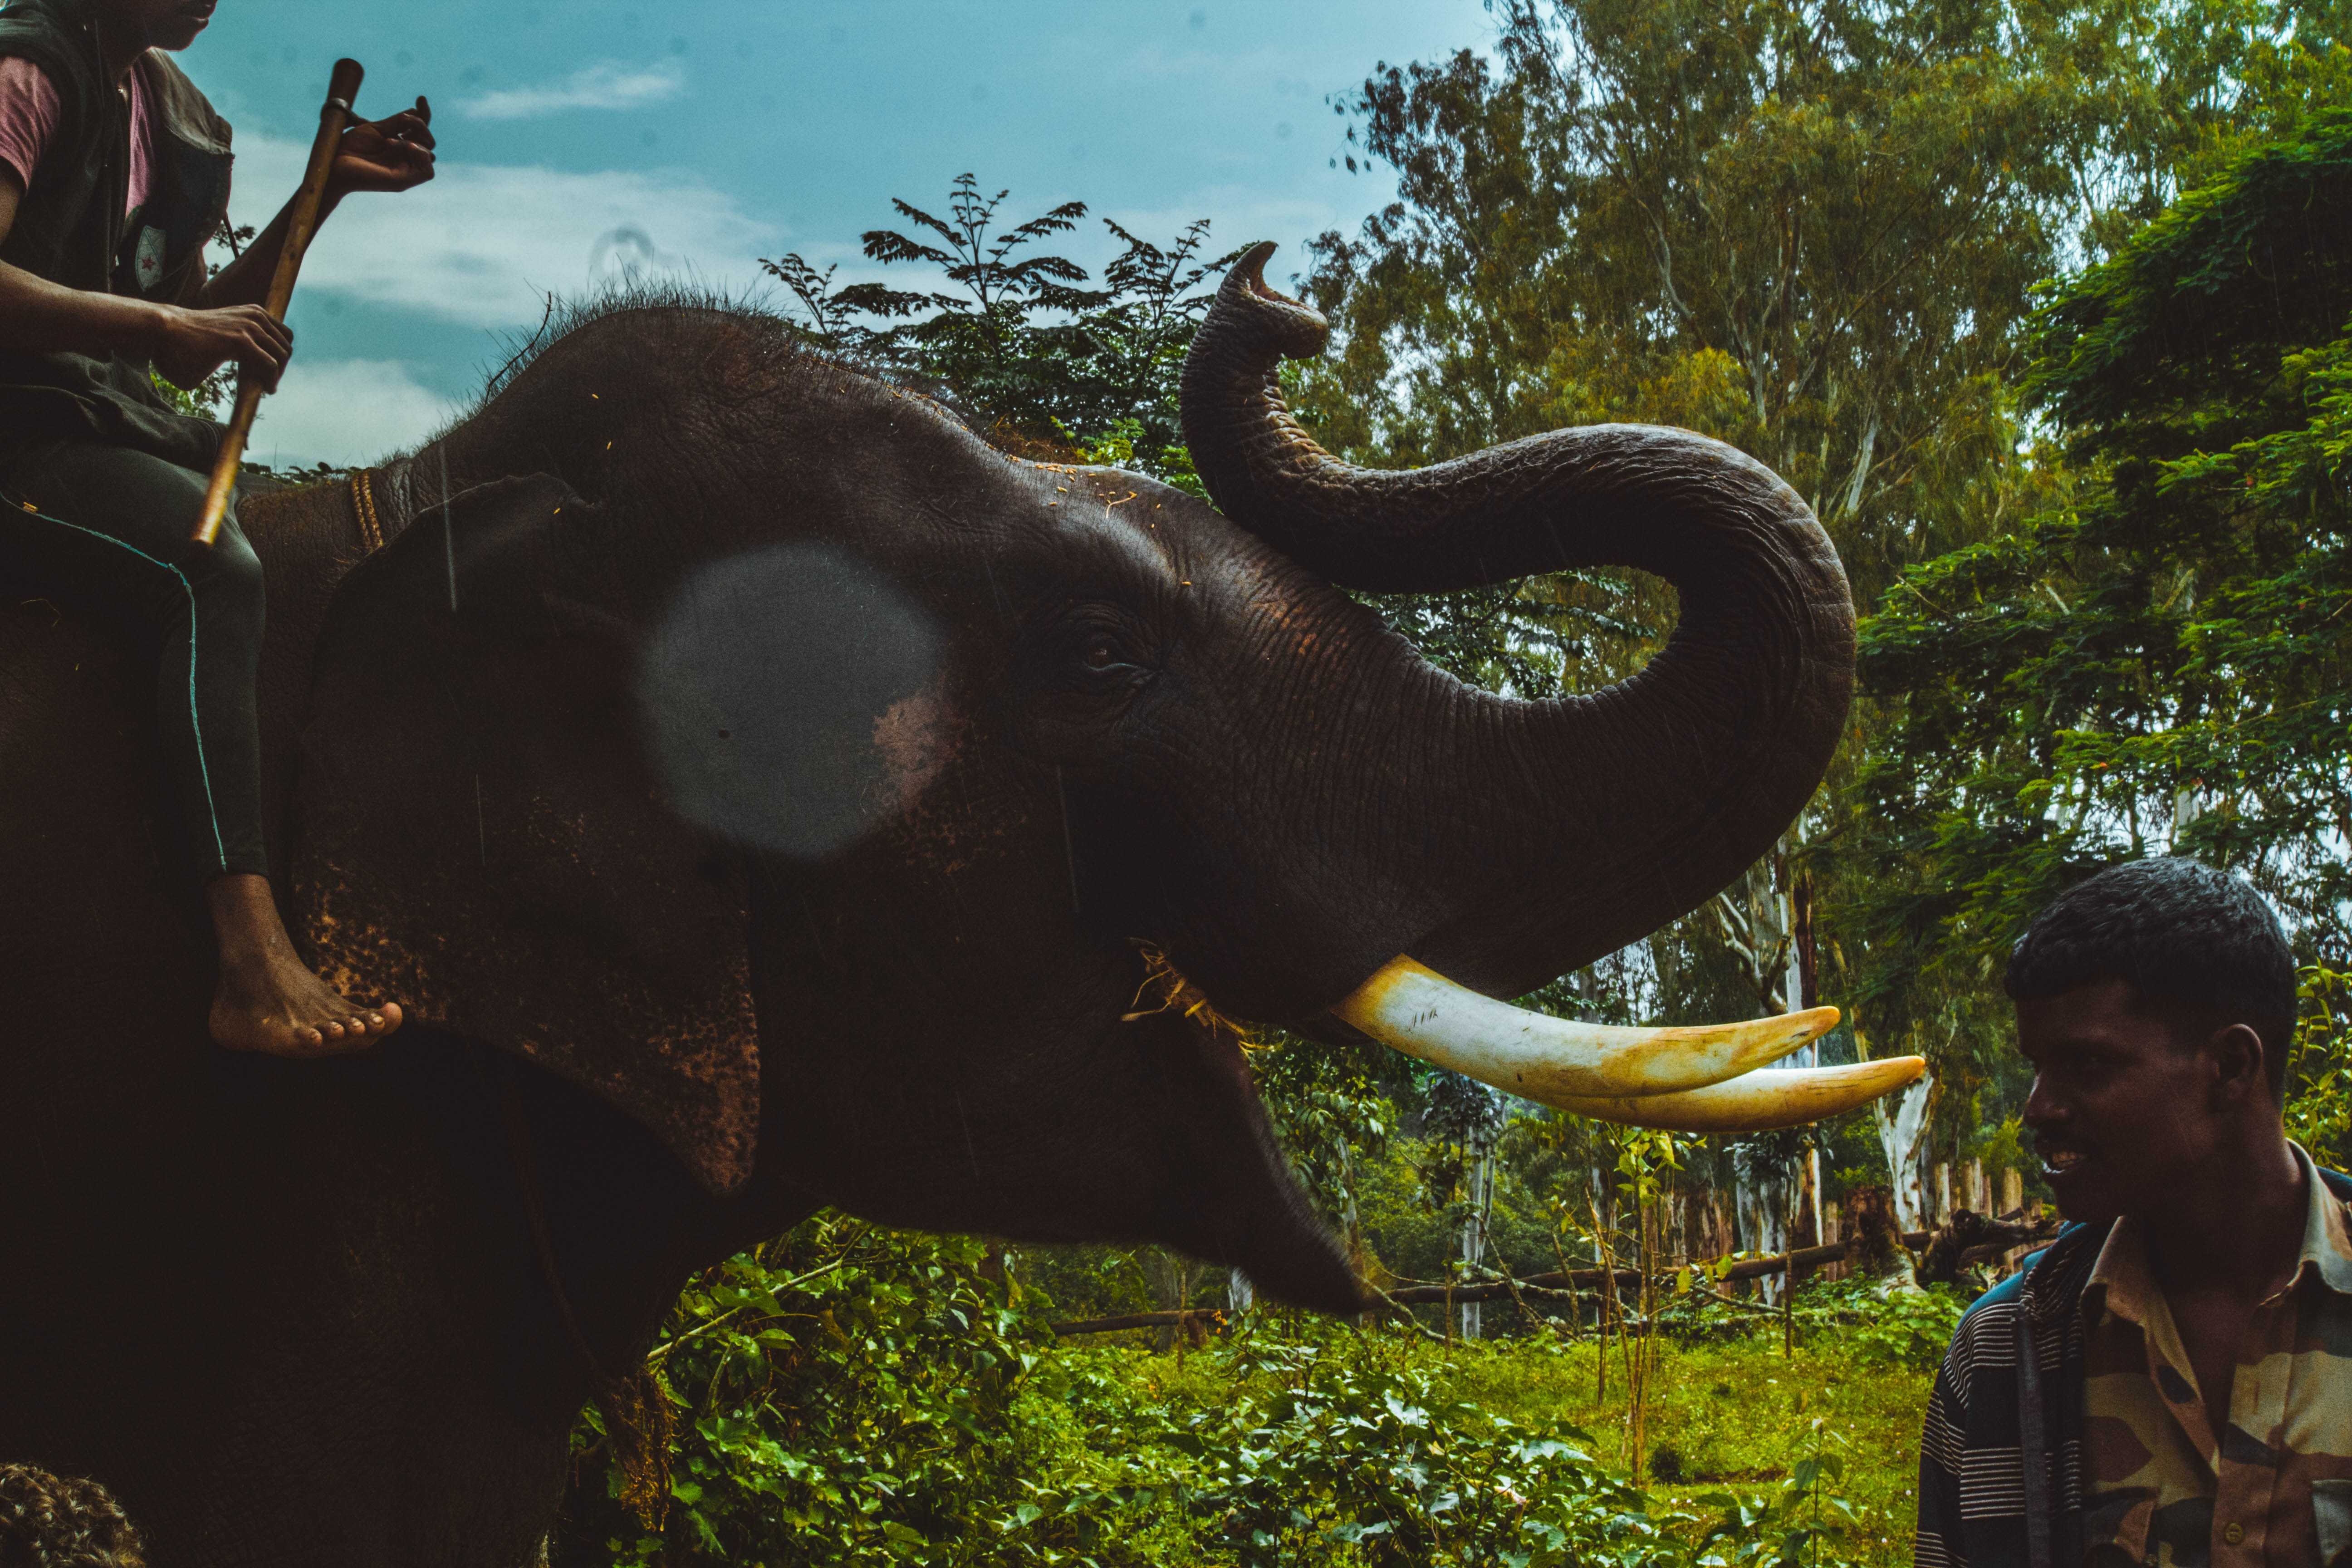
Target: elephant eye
(1102, 650)
(1098, 647)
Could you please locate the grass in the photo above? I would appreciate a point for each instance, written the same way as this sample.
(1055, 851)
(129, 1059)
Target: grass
(1725, 1415)
(1733, 1413)
(856, 1395)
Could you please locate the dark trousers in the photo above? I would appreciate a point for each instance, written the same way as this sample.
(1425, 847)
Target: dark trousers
(108, 528)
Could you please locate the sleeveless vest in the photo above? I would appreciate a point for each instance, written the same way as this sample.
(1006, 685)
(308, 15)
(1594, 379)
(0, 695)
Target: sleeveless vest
(69, 229)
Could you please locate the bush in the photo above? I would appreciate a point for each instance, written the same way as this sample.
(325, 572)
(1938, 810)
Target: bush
(1909, 1327)
(1787, 1527)
(2319, 1091)
(1352, 1448)
(855, 1395)
(844, 1395)
(1912, 1328)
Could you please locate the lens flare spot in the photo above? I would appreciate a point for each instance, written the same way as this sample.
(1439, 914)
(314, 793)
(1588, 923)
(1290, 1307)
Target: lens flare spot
(788, 698)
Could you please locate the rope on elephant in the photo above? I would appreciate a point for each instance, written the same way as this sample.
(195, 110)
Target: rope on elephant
(640, 1426)
(363, 504)
(1165, 983)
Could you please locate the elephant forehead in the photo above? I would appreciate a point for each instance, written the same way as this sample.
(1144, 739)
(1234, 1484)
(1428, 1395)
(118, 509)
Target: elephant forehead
(790, 699)
(1109, 521)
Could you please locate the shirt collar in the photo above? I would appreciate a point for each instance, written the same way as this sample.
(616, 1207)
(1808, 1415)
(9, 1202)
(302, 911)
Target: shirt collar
(2326, 1238)
(2121, 1276)
(2127, 1287)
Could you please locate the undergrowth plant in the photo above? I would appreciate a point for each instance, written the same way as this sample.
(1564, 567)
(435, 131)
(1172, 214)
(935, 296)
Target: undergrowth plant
(1790, 1526)
(1337, 1443)
(2319, 1095)
(842, 1395)
(851, 1395)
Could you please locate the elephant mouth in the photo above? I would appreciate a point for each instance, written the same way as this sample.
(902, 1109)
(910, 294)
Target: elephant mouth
(1711, 1078)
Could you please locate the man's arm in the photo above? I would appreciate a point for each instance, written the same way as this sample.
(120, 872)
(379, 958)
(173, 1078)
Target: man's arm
(391, 155)
(38, 316)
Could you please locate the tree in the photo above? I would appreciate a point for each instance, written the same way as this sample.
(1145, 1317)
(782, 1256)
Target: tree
(1808, 229)
(2160, 663)
(1811, 227)
(1019, 340)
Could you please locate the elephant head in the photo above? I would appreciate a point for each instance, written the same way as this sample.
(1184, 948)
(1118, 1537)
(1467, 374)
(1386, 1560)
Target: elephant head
(823, 785)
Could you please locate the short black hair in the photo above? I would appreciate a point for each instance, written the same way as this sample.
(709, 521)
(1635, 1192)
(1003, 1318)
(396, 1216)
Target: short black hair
(2175, 929)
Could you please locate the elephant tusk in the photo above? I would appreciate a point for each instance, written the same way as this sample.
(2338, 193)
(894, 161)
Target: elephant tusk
(1756, 1101)
(1410, 1008)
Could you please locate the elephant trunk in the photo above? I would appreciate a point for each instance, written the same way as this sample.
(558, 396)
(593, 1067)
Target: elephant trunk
(1552, 833)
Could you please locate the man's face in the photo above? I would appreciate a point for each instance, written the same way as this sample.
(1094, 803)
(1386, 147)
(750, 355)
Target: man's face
(163, 24)
(2122, 1111)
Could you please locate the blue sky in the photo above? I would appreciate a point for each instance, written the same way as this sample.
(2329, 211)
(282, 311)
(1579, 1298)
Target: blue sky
(577, 137)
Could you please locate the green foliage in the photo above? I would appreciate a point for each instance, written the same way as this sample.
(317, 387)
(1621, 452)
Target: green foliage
(203, 401)
(1805, 227)
(209, 397)
(1336, 1441)
(2174, 343)
(845, 1396)
(1528, 639)
(1728, 1412)
(2159, 665)
(1790, 1526)
(1127, 443)
(2002, 1148)
(852, 1394)
(2319, 1085)
(1908, 1328)
(1332, 1107)
(1019, 338)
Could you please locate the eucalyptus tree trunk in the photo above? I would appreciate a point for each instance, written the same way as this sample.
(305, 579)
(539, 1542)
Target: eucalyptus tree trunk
(1479, 1192)
(1765, 918)
(1351, 1217)
(1761, 1214)
(1903, 1134)
(1903, 1126)
(1469, 1115)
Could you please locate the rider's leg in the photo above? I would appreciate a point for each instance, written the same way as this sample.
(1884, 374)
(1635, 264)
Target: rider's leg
(108, 526)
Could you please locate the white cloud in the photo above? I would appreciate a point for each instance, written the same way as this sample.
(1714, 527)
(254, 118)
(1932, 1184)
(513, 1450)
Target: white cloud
(607, 86)
(345, 412)
(484, 244)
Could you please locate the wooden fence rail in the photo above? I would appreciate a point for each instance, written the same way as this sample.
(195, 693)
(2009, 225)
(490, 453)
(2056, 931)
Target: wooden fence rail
(1940, 1254)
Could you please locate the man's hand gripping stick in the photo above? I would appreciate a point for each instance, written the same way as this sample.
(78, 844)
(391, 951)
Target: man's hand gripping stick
(302, 222)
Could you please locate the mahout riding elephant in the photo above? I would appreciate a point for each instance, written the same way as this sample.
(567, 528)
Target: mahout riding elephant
(763, 794)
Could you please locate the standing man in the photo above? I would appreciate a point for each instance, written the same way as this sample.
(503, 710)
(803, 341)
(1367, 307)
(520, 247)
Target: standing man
(114, 175)
(2171, 1381)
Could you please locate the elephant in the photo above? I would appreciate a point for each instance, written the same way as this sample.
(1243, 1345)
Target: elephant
(765, 793)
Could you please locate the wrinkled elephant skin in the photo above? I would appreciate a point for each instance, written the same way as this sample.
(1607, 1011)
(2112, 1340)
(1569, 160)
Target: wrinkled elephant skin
(761, 791)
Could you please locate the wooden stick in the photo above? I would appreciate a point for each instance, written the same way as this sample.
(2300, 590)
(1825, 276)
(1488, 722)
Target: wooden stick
(301, 223)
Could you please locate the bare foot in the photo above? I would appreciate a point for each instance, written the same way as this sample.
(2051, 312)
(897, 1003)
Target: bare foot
(267, 1001)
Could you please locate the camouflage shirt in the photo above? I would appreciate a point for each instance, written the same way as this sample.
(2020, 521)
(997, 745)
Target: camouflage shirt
(2272, 1486)
(2022, 1463)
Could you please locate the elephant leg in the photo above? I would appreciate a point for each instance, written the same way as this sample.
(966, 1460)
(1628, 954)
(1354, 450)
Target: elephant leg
(286, 1339)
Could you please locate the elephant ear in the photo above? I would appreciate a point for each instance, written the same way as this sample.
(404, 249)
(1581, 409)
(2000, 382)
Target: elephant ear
(479, 833)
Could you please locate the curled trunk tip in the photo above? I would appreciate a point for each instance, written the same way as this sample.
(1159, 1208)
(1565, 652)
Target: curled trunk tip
(1288, 328)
